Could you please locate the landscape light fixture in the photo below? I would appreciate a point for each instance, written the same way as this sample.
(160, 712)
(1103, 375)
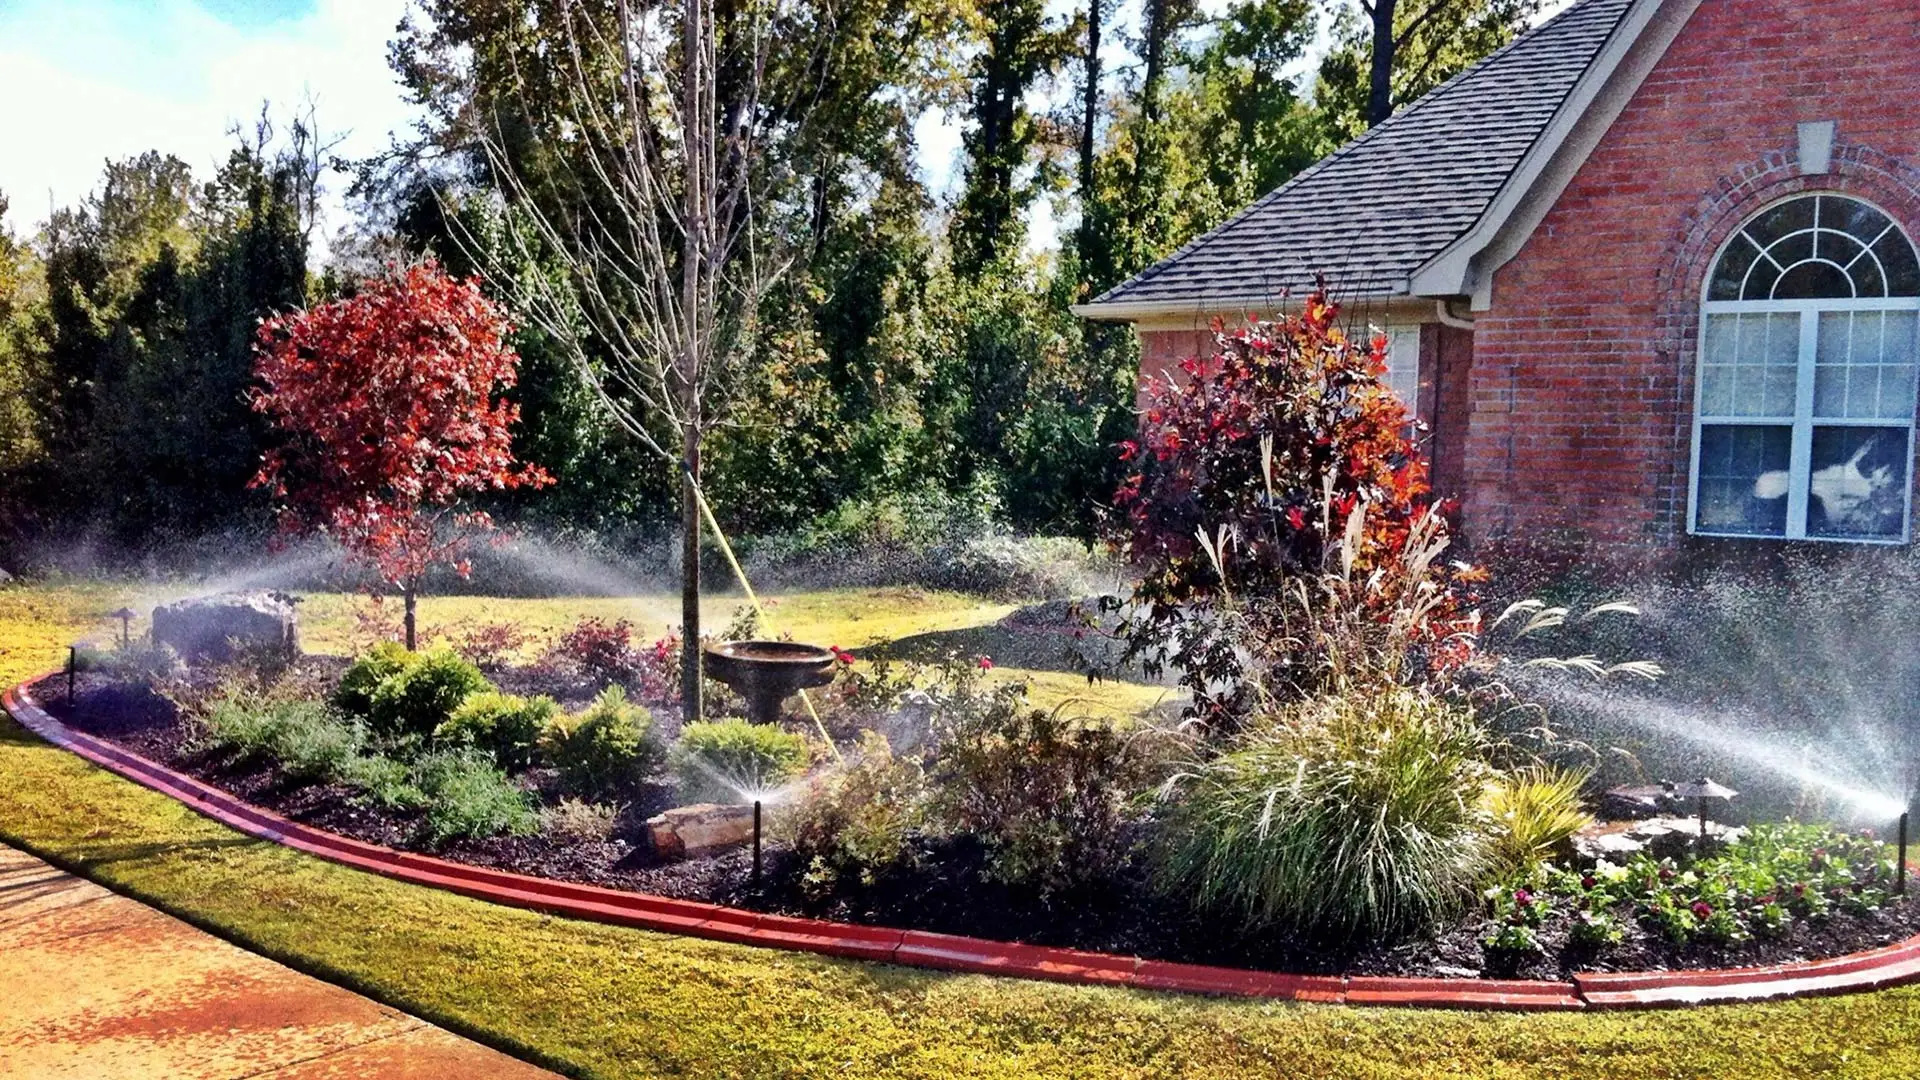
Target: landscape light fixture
(1702, 790)
(125, 615)
(73, 662)
(756, 844)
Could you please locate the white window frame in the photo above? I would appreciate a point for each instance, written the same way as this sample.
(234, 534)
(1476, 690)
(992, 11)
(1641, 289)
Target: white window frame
(1803, 420)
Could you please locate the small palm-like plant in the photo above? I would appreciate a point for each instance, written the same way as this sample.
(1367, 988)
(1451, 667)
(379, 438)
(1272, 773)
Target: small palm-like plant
(1535, 810)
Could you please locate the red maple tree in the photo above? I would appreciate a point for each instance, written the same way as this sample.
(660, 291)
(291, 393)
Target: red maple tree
(388, 403)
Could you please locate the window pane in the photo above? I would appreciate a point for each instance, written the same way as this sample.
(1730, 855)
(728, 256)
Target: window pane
(1788, 217)
(1855, 218)
(1858, 486)
(1813, 281)
(1731, 271)
(1903, 270)
(1743, 479)
(1865, 366)
(1403, 366)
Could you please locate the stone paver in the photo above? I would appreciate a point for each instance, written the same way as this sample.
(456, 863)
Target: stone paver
(95, 985)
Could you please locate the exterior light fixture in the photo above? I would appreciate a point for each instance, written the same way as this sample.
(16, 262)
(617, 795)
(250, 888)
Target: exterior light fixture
(1702, 790)
(125, 615)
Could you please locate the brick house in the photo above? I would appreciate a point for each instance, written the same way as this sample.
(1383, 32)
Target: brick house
(1647, 273)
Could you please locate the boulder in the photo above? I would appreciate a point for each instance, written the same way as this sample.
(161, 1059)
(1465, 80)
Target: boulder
(691, 832)
(1662, 838)
(215, 627)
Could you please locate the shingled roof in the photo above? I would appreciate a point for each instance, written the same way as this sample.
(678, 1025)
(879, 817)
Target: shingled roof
(1378, 209)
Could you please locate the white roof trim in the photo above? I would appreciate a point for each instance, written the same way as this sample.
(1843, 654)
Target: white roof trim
(1465, 267)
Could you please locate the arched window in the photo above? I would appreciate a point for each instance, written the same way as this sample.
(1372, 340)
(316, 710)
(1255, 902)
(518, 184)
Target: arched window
(1804, 411)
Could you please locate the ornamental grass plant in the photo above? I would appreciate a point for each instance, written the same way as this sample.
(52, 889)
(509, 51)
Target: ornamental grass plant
(1345, 816)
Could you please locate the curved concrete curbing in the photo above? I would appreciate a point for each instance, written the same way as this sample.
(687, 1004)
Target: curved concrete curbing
(1891, 966)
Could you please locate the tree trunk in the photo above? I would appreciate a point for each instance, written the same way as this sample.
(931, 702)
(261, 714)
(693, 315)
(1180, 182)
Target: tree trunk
(1090, 103)
(407, 598)
(696, 224)
(1380, 77)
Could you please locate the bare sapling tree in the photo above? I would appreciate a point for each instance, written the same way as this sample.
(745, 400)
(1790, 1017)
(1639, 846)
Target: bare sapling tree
(639, 172)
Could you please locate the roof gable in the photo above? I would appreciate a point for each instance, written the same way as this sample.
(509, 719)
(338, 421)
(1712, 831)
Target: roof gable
(1375, 212)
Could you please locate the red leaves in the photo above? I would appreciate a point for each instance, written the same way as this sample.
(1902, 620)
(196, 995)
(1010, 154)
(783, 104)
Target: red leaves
(387, 400)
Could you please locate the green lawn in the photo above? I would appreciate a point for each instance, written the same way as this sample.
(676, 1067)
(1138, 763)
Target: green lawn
(601, 1001)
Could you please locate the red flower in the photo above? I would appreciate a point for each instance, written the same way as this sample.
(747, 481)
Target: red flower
(1129, 450)
(986, 663)
(1297, 519)
(841, 655)
(1588, 881)
(1522, 898)
(1702, 910)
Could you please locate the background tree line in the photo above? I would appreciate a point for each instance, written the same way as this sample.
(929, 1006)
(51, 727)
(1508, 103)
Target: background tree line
(916, 349)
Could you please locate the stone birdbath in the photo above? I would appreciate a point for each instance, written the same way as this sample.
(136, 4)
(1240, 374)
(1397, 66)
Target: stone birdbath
(767, 673)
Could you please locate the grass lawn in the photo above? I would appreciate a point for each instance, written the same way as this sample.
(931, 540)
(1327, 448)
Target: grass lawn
(607, 1002)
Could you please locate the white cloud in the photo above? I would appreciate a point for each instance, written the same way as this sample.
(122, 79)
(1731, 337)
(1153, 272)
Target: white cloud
(86, 81)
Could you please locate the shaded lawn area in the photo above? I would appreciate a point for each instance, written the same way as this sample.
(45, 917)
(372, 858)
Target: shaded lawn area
(609, 1002)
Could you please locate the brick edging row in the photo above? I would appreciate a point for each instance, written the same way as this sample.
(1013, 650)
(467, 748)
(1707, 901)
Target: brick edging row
(1891, 966)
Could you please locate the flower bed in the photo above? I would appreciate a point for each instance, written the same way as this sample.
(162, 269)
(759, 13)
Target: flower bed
(950, 886)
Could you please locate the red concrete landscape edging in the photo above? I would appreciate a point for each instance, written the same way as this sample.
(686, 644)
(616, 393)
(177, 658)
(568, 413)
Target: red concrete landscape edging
(1892, 966)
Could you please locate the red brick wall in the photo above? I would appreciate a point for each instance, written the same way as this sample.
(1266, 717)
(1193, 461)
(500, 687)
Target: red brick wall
(1446, 355)
(1582, 378)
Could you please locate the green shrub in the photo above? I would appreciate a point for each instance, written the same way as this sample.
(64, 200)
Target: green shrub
(1536, 810)
(308, 739)
(354, 695)
(1048, 796)
(421, 696)
(138, 662)
(1353, 816)
(606, 747)
(856, 819)
(315, 744)
(716, 761)
(467, 796)
(503, 725)
(386, 781)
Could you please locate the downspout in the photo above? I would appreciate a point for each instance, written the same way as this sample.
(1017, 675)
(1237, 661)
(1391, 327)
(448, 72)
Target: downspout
(1443, 310)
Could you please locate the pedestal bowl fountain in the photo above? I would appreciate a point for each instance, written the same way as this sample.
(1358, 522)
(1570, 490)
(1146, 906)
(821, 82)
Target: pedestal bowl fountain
(766, 673)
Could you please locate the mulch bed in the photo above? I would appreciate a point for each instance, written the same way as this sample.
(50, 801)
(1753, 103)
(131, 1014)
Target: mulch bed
(949, 895)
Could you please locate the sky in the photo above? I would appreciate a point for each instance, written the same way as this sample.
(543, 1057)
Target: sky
(85, 81)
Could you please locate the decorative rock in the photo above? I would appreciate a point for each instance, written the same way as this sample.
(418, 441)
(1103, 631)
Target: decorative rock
(1662, 838)
(692, 832)
(5, 578)
(213, 627)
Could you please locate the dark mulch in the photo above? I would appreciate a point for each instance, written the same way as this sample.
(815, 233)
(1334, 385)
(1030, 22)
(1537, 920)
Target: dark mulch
(948, 894)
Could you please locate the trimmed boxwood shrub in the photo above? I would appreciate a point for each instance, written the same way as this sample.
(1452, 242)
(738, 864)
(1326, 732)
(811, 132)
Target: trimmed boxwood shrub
(604, 748)
(421, 696)
(505, 726)
(718, 761)
(354, 695)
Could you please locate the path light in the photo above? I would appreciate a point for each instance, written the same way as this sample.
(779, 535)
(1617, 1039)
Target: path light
(1703, 789)
(125, 615)
(73, 662)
